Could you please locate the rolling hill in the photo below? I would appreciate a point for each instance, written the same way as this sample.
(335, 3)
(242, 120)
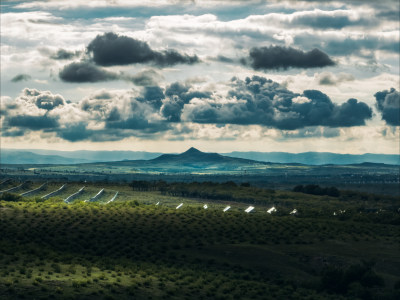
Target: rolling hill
(190, 160)
(26, 157)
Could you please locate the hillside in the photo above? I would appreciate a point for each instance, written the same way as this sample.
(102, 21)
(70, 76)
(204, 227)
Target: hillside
(26, 157)
(191, 160)
(318, 158)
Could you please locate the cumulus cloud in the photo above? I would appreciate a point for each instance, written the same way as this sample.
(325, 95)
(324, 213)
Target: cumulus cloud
(345, 44)
(63, 54)
(31, 111)
(336, 19)
(144, 78)
(277, 57)
(21, 77)
(388, 103)
(105, 116)
(328, 78)
(111, 49)
(32, 122)
(113, 115)
(84, 71)
(178, 95)
(260, 101)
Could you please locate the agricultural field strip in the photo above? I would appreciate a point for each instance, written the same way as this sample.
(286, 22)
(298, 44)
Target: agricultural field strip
(34, 190)
(54, 192)
(72, 197)
(12, 189)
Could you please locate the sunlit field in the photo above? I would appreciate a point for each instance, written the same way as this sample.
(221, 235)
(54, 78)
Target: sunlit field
(141, 246)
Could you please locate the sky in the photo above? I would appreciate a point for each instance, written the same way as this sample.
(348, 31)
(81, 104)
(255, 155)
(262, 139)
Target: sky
(221, 75)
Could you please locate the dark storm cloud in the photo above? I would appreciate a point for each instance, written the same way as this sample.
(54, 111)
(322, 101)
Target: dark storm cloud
(12, 133)
(81, 72)
(32, 122)
(261, 101)
(111, 49)
(85, 72)
(388, 103)
(21, 77)
(75, 132)
(62, 54)
(153, 95)
(278, 57)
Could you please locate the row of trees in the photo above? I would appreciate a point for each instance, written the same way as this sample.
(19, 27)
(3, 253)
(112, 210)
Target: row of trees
(229, 191)
(315, 189)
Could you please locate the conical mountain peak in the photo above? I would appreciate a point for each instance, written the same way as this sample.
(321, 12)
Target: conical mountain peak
(192, 150)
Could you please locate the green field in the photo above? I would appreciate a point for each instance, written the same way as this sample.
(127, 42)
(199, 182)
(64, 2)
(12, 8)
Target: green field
(134, 249)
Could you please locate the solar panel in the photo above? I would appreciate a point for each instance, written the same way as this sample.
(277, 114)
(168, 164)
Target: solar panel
(113, 198)
(179, 206)
(73, 196)
(249, 209)
(34, 190)
(96, 197)
(54, 193)
(227, 208)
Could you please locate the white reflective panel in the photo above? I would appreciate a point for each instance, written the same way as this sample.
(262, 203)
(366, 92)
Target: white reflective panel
(95, 197)
(227, 208)
(73, 196)
(179, 206)
(294, 211)
(113, 198)
(249, 209)
(271, 210)
(158, 203)
(54, 193)
(205, 206)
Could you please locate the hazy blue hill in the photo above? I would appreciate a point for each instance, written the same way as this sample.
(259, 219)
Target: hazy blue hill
(318, 158)
(190, 160)
(26, 157)
(193, 155)
(98, 156)
(39, 156)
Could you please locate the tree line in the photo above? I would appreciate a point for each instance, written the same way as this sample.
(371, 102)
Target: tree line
(315, 189)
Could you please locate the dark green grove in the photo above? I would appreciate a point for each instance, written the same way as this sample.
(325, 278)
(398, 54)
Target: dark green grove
(132, 248)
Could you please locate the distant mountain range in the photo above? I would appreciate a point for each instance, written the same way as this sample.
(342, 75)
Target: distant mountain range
(192, 156)
(318, 158)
